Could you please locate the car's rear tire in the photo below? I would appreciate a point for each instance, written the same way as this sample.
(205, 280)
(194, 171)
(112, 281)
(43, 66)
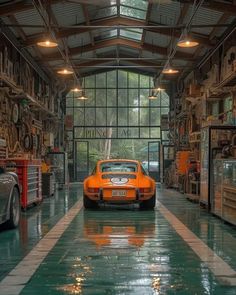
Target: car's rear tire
(89, 204)
(148, 204)
(15, 209)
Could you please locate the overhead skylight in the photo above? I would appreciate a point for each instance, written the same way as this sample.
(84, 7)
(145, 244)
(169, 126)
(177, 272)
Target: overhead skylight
(132, 33)
(134, 8)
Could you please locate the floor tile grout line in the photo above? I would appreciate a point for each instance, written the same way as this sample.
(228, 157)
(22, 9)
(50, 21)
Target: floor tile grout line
(16, 280)
(222, 271)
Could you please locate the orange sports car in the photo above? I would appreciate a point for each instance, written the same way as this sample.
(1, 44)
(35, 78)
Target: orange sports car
(119, 182)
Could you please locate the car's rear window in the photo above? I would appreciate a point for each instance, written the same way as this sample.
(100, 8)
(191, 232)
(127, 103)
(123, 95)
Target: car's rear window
(118, 167)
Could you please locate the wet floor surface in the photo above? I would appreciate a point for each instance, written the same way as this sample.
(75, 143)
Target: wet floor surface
(114, 250)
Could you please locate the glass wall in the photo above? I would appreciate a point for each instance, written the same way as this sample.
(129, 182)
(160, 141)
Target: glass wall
(117, 116)
(117, 107)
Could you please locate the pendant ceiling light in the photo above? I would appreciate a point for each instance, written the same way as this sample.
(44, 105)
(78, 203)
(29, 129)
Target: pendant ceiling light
(66, 71)
(152, 95)
(159, 88)
(49, 43)
(76, 89)
(186, 41)
(169, 70)
(82, 97)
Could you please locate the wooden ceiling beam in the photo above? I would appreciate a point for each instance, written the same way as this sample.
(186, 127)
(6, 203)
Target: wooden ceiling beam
(101, 62)
(121, 42)
(63, 33)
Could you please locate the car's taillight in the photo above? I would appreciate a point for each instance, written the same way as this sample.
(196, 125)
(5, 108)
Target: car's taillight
(145, 190)
(93, 190)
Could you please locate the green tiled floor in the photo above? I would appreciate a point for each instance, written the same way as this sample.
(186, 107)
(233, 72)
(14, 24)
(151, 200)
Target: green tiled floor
(119, 251)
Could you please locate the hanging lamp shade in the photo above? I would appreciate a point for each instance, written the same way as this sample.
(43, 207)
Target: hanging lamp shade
(48, 43)
(66, 71)
(152, 95)
(169, 70)
(76, 89)
(186, 40)
(82, 97)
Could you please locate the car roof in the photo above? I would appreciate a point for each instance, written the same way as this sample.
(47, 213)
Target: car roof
(117, 160)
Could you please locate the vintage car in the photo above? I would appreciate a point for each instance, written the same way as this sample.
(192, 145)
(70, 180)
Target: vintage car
(119, 182)
(9, 199)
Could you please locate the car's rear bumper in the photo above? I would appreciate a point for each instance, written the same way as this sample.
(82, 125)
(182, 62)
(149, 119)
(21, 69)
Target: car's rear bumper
(132, 196)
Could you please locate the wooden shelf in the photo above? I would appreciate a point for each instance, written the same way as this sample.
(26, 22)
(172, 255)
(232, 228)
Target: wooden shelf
(33, 101)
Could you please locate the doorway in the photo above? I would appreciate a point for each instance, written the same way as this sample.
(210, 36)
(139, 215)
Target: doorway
(81, 160)
(87, 153)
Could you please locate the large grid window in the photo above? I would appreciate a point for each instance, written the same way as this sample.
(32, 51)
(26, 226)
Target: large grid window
(117, 107)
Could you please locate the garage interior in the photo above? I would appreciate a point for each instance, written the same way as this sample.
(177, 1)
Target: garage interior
(148, 80)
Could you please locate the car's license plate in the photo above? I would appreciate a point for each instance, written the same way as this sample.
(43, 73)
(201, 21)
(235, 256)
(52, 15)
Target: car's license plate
(118, 193)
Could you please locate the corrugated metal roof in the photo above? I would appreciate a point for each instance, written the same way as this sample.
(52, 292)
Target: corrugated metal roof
(78, 40)
(30, 17)
(68, 13)
(220, 31)
(157, 39)
(83, 55)
(151, 55)
(167, 14)
(106, 49)
(204, 16)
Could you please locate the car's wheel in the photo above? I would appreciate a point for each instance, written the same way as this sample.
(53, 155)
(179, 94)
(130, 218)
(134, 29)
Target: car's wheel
(148, 204)
(89, 204)
(15, 209)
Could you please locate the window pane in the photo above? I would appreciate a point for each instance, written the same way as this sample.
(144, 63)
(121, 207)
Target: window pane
(131, 34)
(70, 111)
(165, 101)
(100, 116)
(122, 97)
(79, 117)
(90, 93)
(111, 97)
(144, 81)
(128, 132)
(133, 97)
(135, 3)
(130, 12)
(133, 80)
(155, 102)
(111, 117)
(89, 82)
(100, 97)
(144, 101)
(133, 116)
(78, 102)
(101, 80)
(90, 116)
(155, 132)
(144, 116)
(122, 116)
(144, 132)
(79, 132)
(122, 79)
(155, 117)
(111, 79)
(69, 100)
(165, 135)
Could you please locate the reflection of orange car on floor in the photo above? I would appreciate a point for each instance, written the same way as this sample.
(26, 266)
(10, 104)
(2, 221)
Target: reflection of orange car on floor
(119, 182)
(106, 231)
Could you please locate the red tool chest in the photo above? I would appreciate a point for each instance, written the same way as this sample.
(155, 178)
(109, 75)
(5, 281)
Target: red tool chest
(30, 179)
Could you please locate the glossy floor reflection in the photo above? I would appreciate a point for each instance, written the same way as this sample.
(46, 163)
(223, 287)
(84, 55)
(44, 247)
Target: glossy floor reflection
(118, 250)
